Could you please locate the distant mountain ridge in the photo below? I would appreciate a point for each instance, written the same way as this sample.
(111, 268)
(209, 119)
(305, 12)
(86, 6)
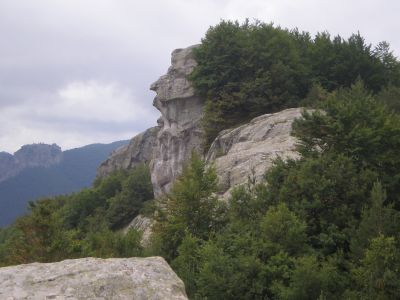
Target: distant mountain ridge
(33, 155)
(48, 172)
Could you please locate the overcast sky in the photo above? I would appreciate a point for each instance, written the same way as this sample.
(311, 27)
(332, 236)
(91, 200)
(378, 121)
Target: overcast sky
(78, 72)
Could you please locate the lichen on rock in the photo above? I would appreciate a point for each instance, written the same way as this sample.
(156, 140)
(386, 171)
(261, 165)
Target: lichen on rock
(92, 278)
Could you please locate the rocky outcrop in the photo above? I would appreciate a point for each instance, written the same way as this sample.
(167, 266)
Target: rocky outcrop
(252, 146)
(29, 156)
(181, 110)
(126, 157)
(140, 223)
(92, 278)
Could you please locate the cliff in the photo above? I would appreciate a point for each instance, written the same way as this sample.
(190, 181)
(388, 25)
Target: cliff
(92, 278)
(181, 111)
(178, 130)
(139, 149)
(236, 152)
(29, 156)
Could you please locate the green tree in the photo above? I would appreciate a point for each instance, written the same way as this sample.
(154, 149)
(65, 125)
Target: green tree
(390, 65)
(186, 264)
(244, 259)
(191, 206)
(246, 70)
(308, 278)
(355, 126)
(106, 244)
(135, 190)
(42, 239)
(390, 98)
(378, 275)
(377, 219)
(327, 191)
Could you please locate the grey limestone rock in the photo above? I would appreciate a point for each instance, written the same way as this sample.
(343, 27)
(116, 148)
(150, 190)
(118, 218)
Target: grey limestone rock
(181, 110)
(126, 157)
(92, 278)
(254, 145)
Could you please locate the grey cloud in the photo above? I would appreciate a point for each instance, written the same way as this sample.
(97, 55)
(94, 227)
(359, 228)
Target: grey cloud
(48, 45)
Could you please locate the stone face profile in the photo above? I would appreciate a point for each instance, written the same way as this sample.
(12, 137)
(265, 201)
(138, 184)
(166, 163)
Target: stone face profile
(92, 278)
(235, 151)
(181, 110)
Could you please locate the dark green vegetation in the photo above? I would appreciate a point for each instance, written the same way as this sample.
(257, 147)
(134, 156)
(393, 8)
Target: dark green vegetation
(76, 171)
(325, 226)
(80, 224)
(245, 70)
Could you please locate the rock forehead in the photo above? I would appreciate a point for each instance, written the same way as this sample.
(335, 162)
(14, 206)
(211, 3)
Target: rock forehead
(92, 278)
(175, 84)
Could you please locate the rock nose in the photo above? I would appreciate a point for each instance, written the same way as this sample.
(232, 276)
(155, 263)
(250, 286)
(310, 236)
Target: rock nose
(154, 86)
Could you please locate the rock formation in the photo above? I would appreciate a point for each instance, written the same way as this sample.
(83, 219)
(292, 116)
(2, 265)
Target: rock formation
(181, 110)
(254, 145)
(92, 278)
(141, 223)
(29, 156)
(126, 157)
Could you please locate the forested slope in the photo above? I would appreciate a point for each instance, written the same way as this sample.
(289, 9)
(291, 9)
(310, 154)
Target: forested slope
(245, 70)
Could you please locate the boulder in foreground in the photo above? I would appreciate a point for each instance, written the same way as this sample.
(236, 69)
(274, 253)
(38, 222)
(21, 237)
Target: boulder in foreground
(92, 278)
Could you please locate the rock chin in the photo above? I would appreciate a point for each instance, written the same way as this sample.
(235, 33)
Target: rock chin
(92, 278)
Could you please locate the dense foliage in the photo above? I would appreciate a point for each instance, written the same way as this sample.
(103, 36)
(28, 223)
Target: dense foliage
(80, 224)
(324, 226)
(245, 70)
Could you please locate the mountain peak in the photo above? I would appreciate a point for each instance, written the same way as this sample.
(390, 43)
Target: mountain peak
(33, 155)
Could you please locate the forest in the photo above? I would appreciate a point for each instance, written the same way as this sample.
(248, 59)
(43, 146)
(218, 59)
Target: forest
(324, 226)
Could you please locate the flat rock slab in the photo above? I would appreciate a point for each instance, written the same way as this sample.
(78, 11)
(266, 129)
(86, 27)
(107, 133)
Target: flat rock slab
(92, 278)
(253, 146)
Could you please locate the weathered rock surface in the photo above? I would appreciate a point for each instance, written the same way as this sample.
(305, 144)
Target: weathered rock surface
(181, 110)
(254, 145)
(140, 223)
(126, 157)
(92, 278)
(29, 156)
